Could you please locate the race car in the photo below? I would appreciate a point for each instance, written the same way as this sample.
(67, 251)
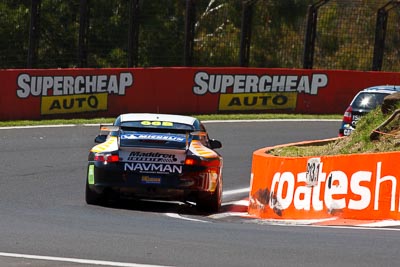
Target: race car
(155, 156)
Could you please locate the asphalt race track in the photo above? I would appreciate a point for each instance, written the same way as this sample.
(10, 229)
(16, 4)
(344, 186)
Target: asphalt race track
(44, 220)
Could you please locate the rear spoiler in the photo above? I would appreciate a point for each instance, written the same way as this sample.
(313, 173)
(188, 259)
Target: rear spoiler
(105, 129)
(108, 128)
(197, 133)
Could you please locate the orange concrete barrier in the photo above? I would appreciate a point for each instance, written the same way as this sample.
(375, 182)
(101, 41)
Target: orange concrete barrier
(356, 186)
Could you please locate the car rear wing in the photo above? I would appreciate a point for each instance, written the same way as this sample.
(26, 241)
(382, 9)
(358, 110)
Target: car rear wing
(213, 143)
(108, 128)
(193, 134)
(105, 130)
(198, 133)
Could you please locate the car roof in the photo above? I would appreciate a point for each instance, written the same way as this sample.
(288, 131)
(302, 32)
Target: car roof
(157, 117)
(383, 89)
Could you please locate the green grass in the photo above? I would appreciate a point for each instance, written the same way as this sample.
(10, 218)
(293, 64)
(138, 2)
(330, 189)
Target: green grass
(358, 142)
(201, 117)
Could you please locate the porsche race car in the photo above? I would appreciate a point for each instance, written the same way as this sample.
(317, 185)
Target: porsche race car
(155, 156)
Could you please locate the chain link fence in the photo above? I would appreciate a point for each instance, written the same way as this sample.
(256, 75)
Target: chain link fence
(346, 35)
(343, 34)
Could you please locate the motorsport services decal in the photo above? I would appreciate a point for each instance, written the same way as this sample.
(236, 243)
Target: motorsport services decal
(152, 156)
(73, 94)
(257, 92)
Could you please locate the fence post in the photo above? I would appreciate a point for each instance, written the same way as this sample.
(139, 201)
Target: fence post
(380, 34)
(83, 33)
(311, 31)
(190, 19)
(33, 34)
(245, 37)
(133, 35)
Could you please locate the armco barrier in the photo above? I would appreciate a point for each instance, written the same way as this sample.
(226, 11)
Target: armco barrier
(356, 186)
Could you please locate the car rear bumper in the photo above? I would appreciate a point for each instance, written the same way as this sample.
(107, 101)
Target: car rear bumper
(148, 185)
(345, 130)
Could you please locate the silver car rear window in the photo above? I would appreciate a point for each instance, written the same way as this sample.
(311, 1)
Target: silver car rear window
(368, 100)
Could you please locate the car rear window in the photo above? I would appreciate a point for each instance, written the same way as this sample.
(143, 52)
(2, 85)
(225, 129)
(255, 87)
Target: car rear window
(368, 100)
(160, 134)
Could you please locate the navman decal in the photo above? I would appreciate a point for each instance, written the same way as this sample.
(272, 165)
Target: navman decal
(152, 168)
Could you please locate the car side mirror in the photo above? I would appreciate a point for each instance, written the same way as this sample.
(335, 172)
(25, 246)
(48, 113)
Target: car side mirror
(101, 138)
(214, 144)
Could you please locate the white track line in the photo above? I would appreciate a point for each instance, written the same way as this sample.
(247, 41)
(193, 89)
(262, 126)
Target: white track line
(242, 202)
(75, 260)
(177, 216)
(236, 191)
(350, 227)
(384, 223)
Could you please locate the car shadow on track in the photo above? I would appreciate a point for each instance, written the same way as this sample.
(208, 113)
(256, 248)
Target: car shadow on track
(156, 206)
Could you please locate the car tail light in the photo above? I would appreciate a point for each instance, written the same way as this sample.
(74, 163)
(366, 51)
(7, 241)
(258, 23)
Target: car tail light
(207, 178)
(194, 161)
(347, 115)
(190, 161)
(106, 158)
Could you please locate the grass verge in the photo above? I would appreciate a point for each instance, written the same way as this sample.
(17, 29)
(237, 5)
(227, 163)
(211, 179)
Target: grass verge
(358, 142)
(201, 117)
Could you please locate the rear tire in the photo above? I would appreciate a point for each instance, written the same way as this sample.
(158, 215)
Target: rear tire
(210, 202)
(92, 197)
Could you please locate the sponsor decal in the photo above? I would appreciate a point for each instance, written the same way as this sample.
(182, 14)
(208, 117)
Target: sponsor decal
(357, 191)
(257, 101)
(73, 104)
(257, 92)
(157, 123)
(239, 84)
(110, 145)
(313, 165)
(152, 157)
(161, 137)
(197, 148)
(151, 180)
(91, 174)
(72, 94)
(29, 85)
(153, 168)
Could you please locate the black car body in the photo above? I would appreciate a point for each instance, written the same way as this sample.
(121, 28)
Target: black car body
(365, 101)
(156, 156)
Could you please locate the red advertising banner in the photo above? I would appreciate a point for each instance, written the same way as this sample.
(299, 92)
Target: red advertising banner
(67, 93)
